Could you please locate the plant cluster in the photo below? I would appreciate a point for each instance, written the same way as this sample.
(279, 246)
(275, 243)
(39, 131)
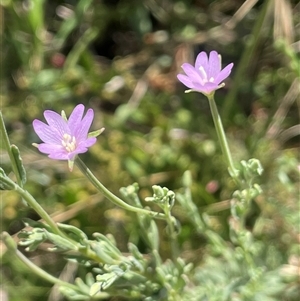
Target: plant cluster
(211, 214)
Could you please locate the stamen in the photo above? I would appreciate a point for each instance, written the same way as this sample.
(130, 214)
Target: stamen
(69, 142)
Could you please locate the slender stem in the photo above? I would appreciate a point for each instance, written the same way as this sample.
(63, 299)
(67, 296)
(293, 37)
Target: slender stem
(55, 229)
(222, 137)
(38, 209)
(12, 247)
(109, 195)
(7, 146)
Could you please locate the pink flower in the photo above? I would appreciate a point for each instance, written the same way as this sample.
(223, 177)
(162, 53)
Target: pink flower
(206, 76)
(63, 139)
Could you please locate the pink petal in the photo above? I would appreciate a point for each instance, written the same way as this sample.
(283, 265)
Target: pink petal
(56, 122)
(207, 88)
(89, 142)
(76, 116)
(80, 150)
(56, 152)
(72, 155)
(201, 60)
(185, 80)
(82, 129)
(214, 65)
(191, 72)
(46, 133)
(223, 74)
(59, 156)
(83, 146)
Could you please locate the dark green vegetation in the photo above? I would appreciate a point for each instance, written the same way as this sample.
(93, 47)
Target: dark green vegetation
(121, 59)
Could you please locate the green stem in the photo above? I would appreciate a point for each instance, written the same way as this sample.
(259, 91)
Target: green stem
(87, 252)
(7, 146)
(12, 248)
(55, 229)
(31, 201)
(222, 137)
(109, 195)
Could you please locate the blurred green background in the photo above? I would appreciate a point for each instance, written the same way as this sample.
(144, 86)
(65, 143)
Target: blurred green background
(121, 58)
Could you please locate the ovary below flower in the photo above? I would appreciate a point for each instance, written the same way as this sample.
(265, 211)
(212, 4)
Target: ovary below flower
(64, 138)
(206, 76)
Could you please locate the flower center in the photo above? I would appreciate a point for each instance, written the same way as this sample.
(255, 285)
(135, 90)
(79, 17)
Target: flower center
(69, 142)
(204, 76)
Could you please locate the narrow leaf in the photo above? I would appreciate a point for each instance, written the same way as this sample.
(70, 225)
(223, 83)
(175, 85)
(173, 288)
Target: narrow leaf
(19, 163)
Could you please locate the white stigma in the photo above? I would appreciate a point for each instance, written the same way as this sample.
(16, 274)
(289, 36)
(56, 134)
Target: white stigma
(203, 74)
(69, 142)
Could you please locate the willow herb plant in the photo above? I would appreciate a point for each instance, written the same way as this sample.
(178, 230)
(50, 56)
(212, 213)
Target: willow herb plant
(135, 276)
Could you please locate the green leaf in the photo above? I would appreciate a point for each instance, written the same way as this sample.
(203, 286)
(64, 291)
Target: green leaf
(95, 289)
(35, 224)
(106, 280)
(32, 239)
(19, 163)
(60, 242)
(79, 235)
